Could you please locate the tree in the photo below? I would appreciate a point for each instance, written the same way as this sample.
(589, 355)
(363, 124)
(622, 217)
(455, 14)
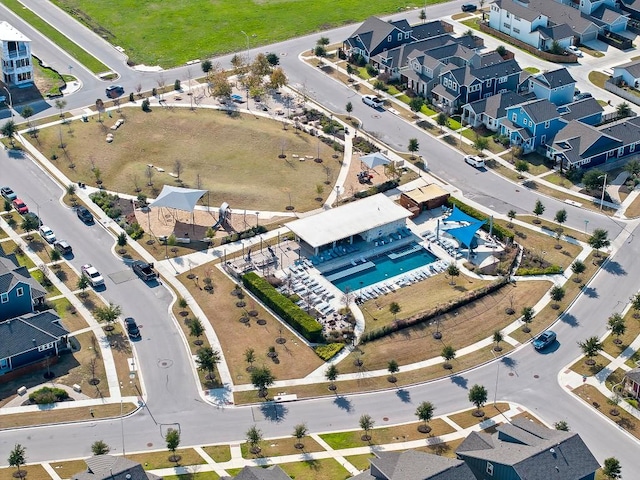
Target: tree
(273, 58)
(623, 109)
(26, 113)
(590, 348)
(196, 328)
(633, 168)
(300, 431)
(331, 374)
(478, 397)
(250, 357)
(29, 224)
(612, 469)
(556, 48)
(557, 294)
(511, 214)
(448, 353)
(393, 368)
(324, 41)
(277, 78)
(453, 271)
(320, 51)
(497, 337)
(262, 379)
(254, 437)
(17, 458)
(349, 108)
(83, 284)
(561, 425)
(122, 239)
(107, 314)
(60, 104)
(9, 129)
(442, 120)
(501, 50)
(578, 267)
(593, 179)
(394, 308)
(207, 358)
(260, 65)
(366, 424)
(635, 304)
(527, 318)
(423, 15)
(480, 143)
(100, 448)
(599, 239)
(424, 412)
(55, 257)
(618, 326)
(173, 441)
(521, 167)
(414, 146)
(177, 169)
(538, 209)
(206, 66)
(416, 104)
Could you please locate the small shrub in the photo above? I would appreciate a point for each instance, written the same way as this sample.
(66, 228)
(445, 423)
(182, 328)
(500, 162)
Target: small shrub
(154, 92)
(327, 352)
(146, 105)
(135, 231)
(176, 85)
(131, 98)
(48, 395)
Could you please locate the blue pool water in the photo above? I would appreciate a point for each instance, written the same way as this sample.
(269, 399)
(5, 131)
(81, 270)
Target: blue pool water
(385, 268)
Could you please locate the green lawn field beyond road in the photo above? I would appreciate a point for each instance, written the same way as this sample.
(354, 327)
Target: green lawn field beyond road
(155, 32)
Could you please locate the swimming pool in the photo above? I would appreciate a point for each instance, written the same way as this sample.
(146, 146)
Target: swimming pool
(383, 267)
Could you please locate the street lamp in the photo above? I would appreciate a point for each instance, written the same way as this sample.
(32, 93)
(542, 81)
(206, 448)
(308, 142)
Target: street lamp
(10, 101)
(495, 392)
(604, 187)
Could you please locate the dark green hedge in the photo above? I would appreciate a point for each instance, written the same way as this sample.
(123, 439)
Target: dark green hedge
(301, 321)
(500, 232)
(550, 270)
(383, 187)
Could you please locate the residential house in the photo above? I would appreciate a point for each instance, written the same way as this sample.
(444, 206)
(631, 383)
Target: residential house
(19, 292)
(17, 68)
(632, 383)
(414, 465)
(524, 450)
(376, 35)
(531, 124)
(605, 13)
(557, 86)
(587, 110)
(108, 467)
(274, 472)
(632, 7)
(579, 145)
(629, 72)
(458, 86)
(31, 338)
(491, 110)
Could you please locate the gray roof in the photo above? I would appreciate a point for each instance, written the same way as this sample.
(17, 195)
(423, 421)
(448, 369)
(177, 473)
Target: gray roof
(415, 465)
(557, 32)
(580, 109)
(108, 467)
(578, 140)
(441, 91)
(533, 451)
(554, 78)
(495, 105)
(24, 333)
(518, 10)
(632, 67)
(490, 58)
(633, 374)
(429, 29)
(11, 274)
(273, 472)
(606, 15)
(559, 13)
(512, 127)
(540, 110)
(494, 70)
(374, 30)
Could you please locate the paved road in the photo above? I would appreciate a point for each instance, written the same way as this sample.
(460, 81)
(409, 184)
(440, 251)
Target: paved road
(173, 396)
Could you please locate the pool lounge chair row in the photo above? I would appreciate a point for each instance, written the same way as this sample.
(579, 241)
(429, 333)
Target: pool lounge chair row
(327, 255)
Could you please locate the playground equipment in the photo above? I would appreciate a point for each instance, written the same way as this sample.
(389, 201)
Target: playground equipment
(224, 217)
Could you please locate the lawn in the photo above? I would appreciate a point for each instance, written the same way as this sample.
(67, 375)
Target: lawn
(586, 203)
(581, 367)
(551, 226)
(193, 476)
(531, 70)
(168, 36)
(219, 453)
(278, 447)
(633, 210)
(160, 459)
(466, 419)
(632, 331)
(598, 78)
(361, 462)
(67, 469)
(237, 159)
(9, 246)
(597, 400)
(33, 472)
(294, 360)
(326, 469)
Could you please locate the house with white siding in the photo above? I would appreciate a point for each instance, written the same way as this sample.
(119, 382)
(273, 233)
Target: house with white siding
(15, 54)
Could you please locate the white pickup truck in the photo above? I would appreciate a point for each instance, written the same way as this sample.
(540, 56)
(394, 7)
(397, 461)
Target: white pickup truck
(372, 101)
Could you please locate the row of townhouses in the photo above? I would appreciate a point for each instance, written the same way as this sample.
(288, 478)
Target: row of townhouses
(489, 90)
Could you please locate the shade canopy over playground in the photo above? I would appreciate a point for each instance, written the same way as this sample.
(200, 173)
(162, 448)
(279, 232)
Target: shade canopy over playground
(375, 159)
(464, 234)
(179, 198)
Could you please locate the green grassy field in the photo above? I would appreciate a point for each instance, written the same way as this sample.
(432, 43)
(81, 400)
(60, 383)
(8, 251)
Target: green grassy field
(171, 33)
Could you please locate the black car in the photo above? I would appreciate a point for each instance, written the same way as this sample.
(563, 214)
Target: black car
(84, 214)
(35, 218)
(63, 247)
(132, 327)
(469, 7)
(114, 91)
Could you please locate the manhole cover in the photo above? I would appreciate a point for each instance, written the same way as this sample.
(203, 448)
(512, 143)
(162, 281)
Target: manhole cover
(385, 419)
(511, 374)
(149, 444)
(536, 376)
(376, 116)
(165, 363)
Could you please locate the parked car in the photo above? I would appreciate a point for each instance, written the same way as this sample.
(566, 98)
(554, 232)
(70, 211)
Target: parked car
(92, 274)
(47, 234)
(36, 219)
(63, 247)
(372, 101)
(144, 270)
(544, 340)
(575, 50)
(20, 206)
(132, 327)
(582, 96)
(8, 194)
(469, 7)
(114, 91)
(474, 161)
(84, 214)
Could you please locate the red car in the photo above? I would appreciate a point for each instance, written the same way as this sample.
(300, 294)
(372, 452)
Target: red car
(20, 206)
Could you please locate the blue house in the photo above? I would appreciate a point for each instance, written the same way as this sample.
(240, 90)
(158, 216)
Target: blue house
(532, 124)
(524, 450)
(587, 110)
(375, 35)
(557, 86)
(19, 292)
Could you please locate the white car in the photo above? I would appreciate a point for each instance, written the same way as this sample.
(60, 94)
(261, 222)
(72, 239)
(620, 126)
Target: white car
(373, 101)
(575, 50)
(47, 234)
(474, 161)
(92, 274)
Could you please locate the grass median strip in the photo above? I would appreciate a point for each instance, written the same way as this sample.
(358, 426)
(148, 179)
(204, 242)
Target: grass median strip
(65, 415)
(73, 49)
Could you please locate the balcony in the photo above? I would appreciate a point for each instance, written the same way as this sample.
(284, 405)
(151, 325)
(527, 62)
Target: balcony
(17, 53)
